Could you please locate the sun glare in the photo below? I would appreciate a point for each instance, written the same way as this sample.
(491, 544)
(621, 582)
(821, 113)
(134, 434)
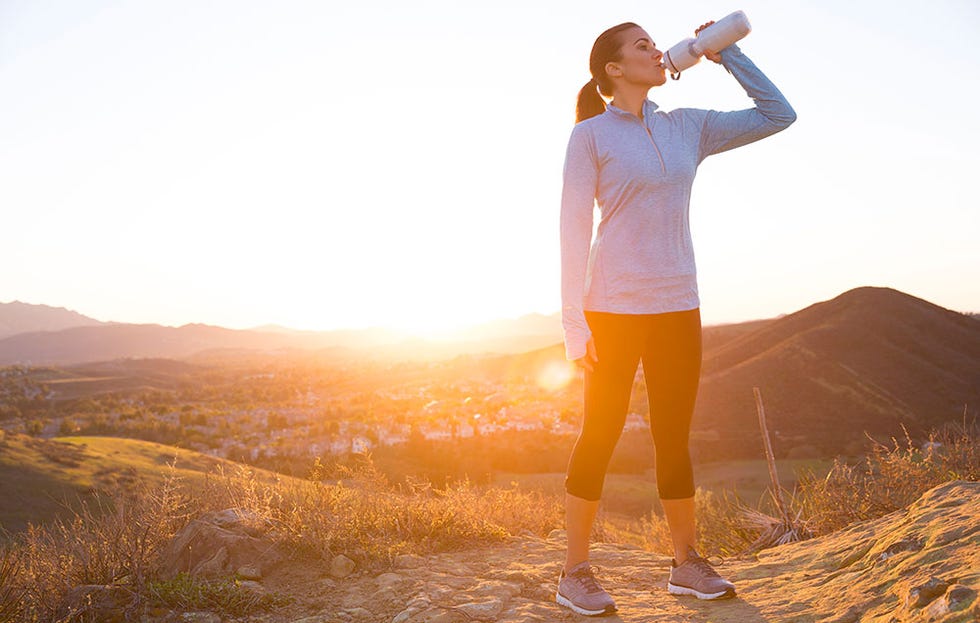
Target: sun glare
(556, 375)
(434, 328)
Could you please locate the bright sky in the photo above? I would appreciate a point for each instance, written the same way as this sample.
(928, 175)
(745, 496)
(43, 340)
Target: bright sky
(322, 164)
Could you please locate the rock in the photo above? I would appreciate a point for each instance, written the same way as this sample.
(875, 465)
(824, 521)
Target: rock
(523, 610)
(921, 595)
(419, 602)
(957, 597)
(218, 544)
(556, 535)
(960, 597)
(241, 519)
(496, 588)
(341, 566)
(405, 615)
(433, 615)
(249, 572)
(851, 615)
(386, 580)
(200, 617)
(408, 561)
(903, 545)
(360, 614)
(482, 610)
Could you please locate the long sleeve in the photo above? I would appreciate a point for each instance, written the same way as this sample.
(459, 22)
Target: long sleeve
(727, 130)
(577, 204)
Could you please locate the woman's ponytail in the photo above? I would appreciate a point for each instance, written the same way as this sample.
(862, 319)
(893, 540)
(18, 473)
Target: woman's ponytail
(590, 103)
(608, 47)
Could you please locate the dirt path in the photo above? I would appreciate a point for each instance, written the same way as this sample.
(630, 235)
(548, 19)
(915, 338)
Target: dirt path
(921, 564)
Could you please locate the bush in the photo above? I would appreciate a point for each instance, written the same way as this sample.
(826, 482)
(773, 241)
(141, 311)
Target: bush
(106, 543)
(118, 543)
(720, 531)
(890, 478)
(12, 592)
(367, 519)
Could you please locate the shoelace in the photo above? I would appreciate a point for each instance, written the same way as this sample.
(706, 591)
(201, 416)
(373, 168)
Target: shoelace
(703, 565)
(586, 579)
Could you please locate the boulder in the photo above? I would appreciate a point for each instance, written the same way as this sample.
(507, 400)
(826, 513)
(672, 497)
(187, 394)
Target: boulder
(220, 544)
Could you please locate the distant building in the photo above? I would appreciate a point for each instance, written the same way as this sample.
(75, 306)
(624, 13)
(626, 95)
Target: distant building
(360, 445)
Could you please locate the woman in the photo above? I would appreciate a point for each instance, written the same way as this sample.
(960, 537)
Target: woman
(630, 294)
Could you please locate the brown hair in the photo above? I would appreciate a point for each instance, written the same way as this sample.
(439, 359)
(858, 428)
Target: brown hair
(608, 47)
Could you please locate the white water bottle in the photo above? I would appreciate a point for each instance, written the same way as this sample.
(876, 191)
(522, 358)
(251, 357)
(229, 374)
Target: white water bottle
(714, 38)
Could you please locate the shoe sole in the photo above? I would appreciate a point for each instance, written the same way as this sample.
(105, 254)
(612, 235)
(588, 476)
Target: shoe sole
(674, 589)
(564, 601)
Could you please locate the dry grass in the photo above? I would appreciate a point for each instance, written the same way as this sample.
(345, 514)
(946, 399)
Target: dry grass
(720, 529)
(12, 593)
(118, 543)
(891, 477)
(366, 518)
(104, 543)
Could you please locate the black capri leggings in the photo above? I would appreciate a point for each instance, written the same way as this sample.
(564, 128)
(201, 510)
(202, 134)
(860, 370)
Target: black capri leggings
(670, 347)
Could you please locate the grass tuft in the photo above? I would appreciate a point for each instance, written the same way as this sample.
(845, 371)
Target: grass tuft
(890, 478)
(225, 596)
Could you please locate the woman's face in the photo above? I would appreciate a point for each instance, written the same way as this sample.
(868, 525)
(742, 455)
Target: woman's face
(640, 64)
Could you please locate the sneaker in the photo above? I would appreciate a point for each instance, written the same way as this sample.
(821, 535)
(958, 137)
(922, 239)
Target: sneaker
(695, 576)
(580, 591)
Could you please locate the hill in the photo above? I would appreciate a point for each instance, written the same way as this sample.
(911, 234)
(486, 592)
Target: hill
(870, 360)
(17, 317)
(43, 478)
(870, 572)
(81, 344)
(918, 564)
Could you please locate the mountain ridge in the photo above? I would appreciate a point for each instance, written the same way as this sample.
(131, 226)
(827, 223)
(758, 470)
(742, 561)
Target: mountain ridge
(17, 317)
(884, 358)
(105, 341)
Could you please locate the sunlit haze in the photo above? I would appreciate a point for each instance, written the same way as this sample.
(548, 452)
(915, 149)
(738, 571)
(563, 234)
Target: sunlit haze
(325, 165)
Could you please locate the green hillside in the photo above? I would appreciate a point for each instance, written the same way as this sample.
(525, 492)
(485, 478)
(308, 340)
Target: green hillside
(41, 479)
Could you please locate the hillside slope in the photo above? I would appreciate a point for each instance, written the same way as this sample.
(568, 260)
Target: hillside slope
(918, 564)
(42, 479)
(871, 360)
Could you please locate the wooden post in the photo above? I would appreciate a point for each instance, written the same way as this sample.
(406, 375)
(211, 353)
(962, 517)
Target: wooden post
(777, 490)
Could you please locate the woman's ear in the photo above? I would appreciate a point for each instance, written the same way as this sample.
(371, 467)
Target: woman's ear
(614, 70)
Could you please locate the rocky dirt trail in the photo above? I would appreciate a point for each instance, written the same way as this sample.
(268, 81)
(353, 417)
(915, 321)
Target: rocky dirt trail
(919, 564)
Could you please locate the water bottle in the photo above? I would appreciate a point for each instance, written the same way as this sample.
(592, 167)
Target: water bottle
(714, 38)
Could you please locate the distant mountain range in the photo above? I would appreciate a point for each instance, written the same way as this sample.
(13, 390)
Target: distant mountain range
(17, 317)
(42, 335)
(869, 361)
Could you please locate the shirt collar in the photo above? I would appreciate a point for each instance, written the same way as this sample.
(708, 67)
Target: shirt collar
(648, 109)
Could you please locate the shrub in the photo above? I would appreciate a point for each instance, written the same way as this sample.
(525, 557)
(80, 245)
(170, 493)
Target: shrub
(103, 543)
(720, 531)
(226, 596)
(11, 591)
(890, 478)
(366, 518)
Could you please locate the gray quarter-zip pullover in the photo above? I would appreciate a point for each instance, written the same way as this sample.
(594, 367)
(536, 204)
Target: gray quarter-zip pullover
(640, 172)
